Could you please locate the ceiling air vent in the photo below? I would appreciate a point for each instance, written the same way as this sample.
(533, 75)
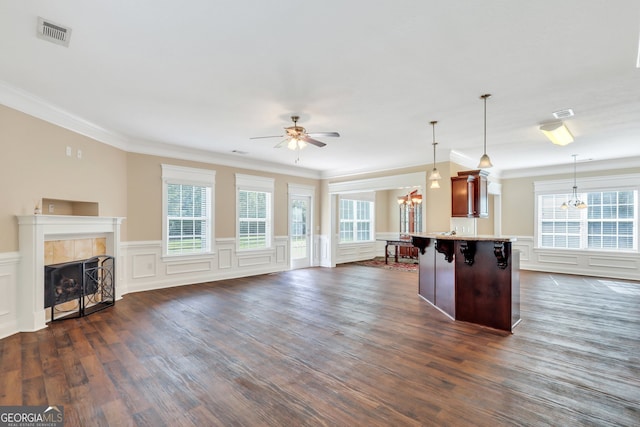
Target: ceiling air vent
(55, 33)
(563, 114)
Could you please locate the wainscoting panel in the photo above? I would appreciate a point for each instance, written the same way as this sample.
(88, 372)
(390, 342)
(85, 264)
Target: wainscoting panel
(9, 291)
(612, 262)
(224, 258)
(188, 267)
(355, 252)
(144, 265)
(552, 258)
(254, 259)
(146, 268)
(323, 253)
(617, 265)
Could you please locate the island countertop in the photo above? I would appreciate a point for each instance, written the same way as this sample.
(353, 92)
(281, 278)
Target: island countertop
(469, 238)
(475, 279)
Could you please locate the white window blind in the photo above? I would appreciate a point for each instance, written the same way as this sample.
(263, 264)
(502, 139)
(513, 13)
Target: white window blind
(188, 210)
(610, 221)
(254, 208)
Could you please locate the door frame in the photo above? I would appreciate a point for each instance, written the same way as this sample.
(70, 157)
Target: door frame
(298, 190)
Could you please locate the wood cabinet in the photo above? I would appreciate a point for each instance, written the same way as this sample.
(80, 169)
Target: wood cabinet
(469, 194)
(474, 280)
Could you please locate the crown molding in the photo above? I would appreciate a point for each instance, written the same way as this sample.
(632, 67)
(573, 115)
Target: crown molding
(37, 107)
(566, 168)
(32, 105)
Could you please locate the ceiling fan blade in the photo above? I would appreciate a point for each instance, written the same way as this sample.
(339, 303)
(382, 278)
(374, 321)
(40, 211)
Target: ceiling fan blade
(323, 134)
(261, 137)
(312, 141)
(282, 143)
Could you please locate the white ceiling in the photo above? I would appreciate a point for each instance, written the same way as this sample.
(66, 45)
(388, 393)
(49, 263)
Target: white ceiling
(207, 75)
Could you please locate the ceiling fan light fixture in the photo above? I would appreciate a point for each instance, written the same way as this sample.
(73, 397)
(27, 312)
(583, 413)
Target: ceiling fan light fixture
(557, 133)
(485, 162)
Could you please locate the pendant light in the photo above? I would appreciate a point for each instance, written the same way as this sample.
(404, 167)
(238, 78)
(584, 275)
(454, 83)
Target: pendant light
(574, 201)
(485, 162)
(435, 175)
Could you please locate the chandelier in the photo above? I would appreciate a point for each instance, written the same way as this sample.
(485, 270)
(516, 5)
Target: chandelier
(410, 199)
(574, 201)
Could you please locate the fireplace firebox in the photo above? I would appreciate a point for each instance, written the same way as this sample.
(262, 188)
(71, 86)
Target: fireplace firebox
(78, 288)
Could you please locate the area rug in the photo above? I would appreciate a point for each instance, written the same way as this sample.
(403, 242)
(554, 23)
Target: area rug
(403, 265)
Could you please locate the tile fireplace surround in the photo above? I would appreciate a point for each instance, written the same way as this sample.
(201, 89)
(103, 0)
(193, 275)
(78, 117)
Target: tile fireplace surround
(34, 231)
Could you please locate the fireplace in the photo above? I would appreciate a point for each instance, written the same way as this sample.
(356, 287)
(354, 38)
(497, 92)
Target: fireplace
(34, 232)
(79, 288)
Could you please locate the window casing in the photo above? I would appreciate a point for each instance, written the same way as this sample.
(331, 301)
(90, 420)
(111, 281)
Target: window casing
(187, 205)
(356, 220)
(609, 223)
(254, 207)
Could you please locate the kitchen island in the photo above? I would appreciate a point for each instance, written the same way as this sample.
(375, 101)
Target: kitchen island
(474, 279)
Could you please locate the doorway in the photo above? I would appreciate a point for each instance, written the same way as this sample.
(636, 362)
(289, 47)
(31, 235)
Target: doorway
(300, 227)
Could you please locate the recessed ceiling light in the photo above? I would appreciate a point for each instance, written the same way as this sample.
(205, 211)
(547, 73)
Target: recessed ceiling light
(563, 114)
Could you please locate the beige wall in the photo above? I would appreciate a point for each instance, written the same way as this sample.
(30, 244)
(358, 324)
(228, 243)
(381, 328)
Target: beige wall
(145, 196)
(518, 206)
(35, 166)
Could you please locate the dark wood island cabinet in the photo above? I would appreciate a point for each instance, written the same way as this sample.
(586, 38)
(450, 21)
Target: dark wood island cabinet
(471, 278)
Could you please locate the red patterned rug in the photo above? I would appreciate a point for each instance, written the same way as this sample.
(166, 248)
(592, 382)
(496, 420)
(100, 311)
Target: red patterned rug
(402, 265)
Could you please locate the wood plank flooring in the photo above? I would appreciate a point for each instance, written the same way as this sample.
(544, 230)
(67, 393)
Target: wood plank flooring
(349, 346)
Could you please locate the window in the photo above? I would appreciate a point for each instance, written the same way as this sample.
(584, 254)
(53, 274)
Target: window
(356, 220)
(610, 221)
(187, 196)
(255, 212)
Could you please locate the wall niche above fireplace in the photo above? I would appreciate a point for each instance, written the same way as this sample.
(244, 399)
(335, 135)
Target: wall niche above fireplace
(69, 207)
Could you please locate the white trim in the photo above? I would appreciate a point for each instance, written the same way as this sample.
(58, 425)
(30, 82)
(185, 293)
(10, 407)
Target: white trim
(628, 182)
(262, 184)
(309, 192)
(301, 190)
(409, 180)
(182, 175)
(617, 265)
(586, 184)
(172, 174)
(367, 196)
(256, 183)
(32, 105)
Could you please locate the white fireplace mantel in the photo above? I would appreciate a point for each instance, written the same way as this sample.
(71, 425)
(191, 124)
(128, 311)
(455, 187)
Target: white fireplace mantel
(34, 230)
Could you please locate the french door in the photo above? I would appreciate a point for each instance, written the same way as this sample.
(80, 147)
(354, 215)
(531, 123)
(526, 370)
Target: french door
(300, 231)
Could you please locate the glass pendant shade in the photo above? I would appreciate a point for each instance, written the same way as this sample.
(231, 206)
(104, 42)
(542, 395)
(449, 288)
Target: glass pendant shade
(485, 162)
(435, 184)
(435, 175)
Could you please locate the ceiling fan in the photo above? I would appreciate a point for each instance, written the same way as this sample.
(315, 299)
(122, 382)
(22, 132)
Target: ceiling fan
(297, 137)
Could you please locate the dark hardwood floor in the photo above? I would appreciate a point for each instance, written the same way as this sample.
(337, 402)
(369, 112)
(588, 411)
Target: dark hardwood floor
(348, 346)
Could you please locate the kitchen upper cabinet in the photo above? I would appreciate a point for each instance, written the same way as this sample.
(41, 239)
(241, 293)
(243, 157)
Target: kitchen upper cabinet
(469, 194)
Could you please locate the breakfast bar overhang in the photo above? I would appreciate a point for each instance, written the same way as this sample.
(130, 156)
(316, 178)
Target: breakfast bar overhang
(474, 279)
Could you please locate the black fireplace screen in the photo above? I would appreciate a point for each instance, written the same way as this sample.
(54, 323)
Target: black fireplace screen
(78, 288)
